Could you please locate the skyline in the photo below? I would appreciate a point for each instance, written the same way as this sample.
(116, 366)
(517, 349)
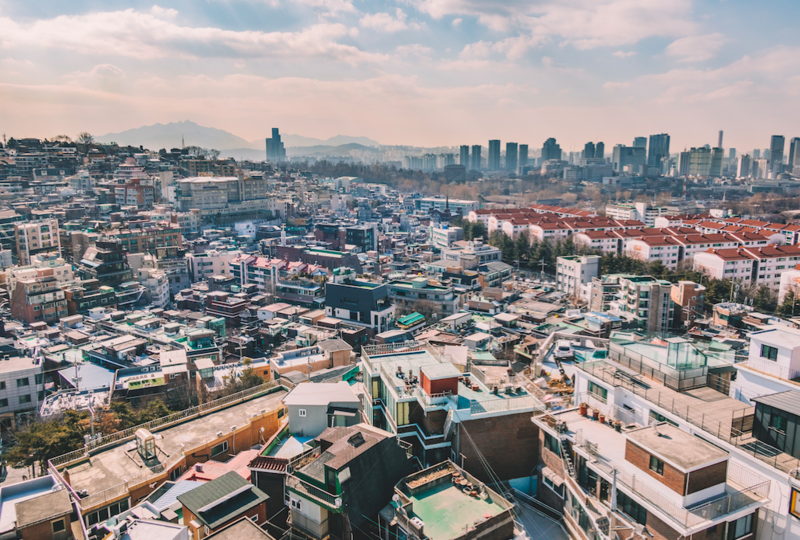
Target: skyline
(423, 72)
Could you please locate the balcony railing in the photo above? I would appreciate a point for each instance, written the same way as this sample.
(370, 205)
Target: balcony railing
(772, 368)
(331, 500)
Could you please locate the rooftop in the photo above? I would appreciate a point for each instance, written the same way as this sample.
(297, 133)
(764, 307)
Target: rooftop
(686, 452)
(320, 394)
(223, 499)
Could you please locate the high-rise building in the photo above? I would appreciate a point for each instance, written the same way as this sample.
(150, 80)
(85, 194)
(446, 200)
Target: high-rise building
(523, 155)
(719, 143)
(640, 142)
(715, 169)
(463, 156)
(635, 156)
(511, 156)
(756, 153)
(776, 154)
(588, 150)
(551, 150)
(699, 161)
(743, 166)
(600, 150)
(494, 155)
(275, 150)
(659, 149)
(732, 154)
(683, 163)
(759, 168)
(794, 153)
(476, 157)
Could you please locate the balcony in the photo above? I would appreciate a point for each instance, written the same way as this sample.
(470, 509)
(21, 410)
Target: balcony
(331, 501)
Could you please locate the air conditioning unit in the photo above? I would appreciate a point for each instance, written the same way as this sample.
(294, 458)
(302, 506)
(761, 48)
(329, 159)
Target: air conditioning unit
(233, 428)
(219, 434)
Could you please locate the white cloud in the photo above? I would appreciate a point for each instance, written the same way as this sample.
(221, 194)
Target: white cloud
(385, 22)
(414, 49)
(584, 24)
(457, 21)
(616, 85)
(624, 54)
(696, 48)
(330, 6)
(145, 35)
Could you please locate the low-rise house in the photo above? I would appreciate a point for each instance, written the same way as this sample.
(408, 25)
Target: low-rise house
(312, 408)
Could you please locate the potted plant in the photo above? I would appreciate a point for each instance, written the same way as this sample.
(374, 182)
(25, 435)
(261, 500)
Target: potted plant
(602, 418)
(584, 409)
(618, 426)
(595, 413)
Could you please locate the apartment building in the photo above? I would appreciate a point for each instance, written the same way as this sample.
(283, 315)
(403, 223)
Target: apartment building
(688, 299)
(36, 237)
(444, 236)
(38, 298)
(359, 302)
(468, 255)
(645, 301)
(134, 193)
(44, 261)
(151, 239)
(637, 211)
(574, 274)
(421, 289)
(758, 266)
(212, 262)
(21, 389)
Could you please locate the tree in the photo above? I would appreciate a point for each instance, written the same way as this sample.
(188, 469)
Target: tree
(86, 139)
(62, 139)
(522, 246)
(765, 300)
(213, 154)
(478, 230)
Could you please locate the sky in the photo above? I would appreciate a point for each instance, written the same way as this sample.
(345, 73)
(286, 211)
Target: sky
(417, 72)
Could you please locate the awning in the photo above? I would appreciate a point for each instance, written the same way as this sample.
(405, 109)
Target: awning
(551, 475)
(342, 412)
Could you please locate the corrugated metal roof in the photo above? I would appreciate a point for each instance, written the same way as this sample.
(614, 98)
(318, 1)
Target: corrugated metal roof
(788, 401)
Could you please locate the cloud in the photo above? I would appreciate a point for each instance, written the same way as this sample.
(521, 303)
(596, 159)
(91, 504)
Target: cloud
(414, 49)
(457, 21)
(385, 22)
(624, 54)
(149, 35)
(616, 85)
(696, 48)
(330, 6)
(585, 24)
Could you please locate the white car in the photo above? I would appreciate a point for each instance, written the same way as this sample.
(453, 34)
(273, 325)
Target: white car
(564, 350)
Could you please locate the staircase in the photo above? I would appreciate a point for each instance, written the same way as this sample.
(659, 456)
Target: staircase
(448, 424)
(566, 457)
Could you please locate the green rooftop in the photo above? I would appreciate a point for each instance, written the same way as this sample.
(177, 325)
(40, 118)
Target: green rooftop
(446, 510)
(411, 319)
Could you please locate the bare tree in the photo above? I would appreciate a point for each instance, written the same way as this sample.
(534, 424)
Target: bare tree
(213, 154)
(86, 139)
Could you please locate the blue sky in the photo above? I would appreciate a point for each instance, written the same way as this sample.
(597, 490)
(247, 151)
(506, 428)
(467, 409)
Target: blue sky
(423, 72)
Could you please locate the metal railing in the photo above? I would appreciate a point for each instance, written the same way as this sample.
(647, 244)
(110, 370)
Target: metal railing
(772, 368)
(304, 488)
(164, 421)
(491, 406)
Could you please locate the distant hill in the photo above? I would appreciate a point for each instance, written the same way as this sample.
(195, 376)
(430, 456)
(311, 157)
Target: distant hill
(328, 150)
(169, 136)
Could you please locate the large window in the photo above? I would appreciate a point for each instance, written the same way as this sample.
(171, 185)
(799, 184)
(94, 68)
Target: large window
(631, 508)
(598, 391)
(742, 528)
(220, 448)
(551, 443)
(768, 352)
(777, 421)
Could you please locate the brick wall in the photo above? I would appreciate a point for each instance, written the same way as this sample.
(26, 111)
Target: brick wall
(672, 478)
(660, 530)
(44, 530)
(707, 477)
(510, 444)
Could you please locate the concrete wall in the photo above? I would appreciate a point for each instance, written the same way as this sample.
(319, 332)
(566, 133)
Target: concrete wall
(513, 454)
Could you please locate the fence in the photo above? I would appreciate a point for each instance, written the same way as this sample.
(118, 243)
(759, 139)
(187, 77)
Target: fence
(771, 368)
(164, 421)
(671, 378)
(490, 406)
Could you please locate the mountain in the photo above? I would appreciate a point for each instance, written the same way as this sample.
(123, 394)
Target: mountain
(169, 136)
(290, 141)
(328, 150)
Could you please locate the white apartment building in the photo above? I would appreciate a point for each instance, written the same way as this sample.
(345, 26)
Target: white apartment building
(443, 236)
(574, 275)
(156, 284)
(21, 388)
(210, 263)
(62, 270)
(790, 281)
(651, 249)
(640, 211)
(470, 254)
(759, 266)
(602, 241)
(646, 301)
(36, 237)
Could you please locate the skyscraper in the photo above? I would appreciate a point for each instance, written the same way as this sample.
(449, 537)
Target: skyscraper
(743, 166)
(494, 155)
(756, 153)
(523, 155)
(275, 150)
(551, 150)
(732, 154)
(476, 157)
(776, 154)
(511, 156)
(715, 169)
(463, 156)
(699, 162)
(588, 150)
(719, 143)
(635, 156)
(640, 142)
(794, 153)
(600, 150)
(659, 149)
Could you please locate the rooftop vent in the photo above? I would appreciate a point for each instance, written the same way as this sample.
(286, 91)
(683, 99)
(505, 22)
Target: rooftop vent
(356, 440)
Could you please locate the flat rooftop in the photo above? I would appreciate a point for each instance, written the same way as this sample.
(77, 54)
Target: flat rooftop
(446, 510)
(110, 467)
(677, 447)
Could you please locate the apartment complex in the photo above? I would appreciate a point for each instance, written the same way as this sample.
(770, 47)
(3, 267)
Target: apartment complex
(36, 237)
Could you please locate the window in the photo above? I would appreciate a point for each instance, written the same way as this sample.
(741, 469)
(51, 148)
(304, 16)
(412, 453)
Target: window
(742, 527)
(598, 391)
(777, 422)
(25, 399)
(631, 508)
(558, 490)
(2, 385)
(551, 443)
(220, 448)
(296, 504)
(23, 382)
(770, 353)
(656, 465)
(254, 518)
(58, 526)
(301, 413)
(4, 402)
